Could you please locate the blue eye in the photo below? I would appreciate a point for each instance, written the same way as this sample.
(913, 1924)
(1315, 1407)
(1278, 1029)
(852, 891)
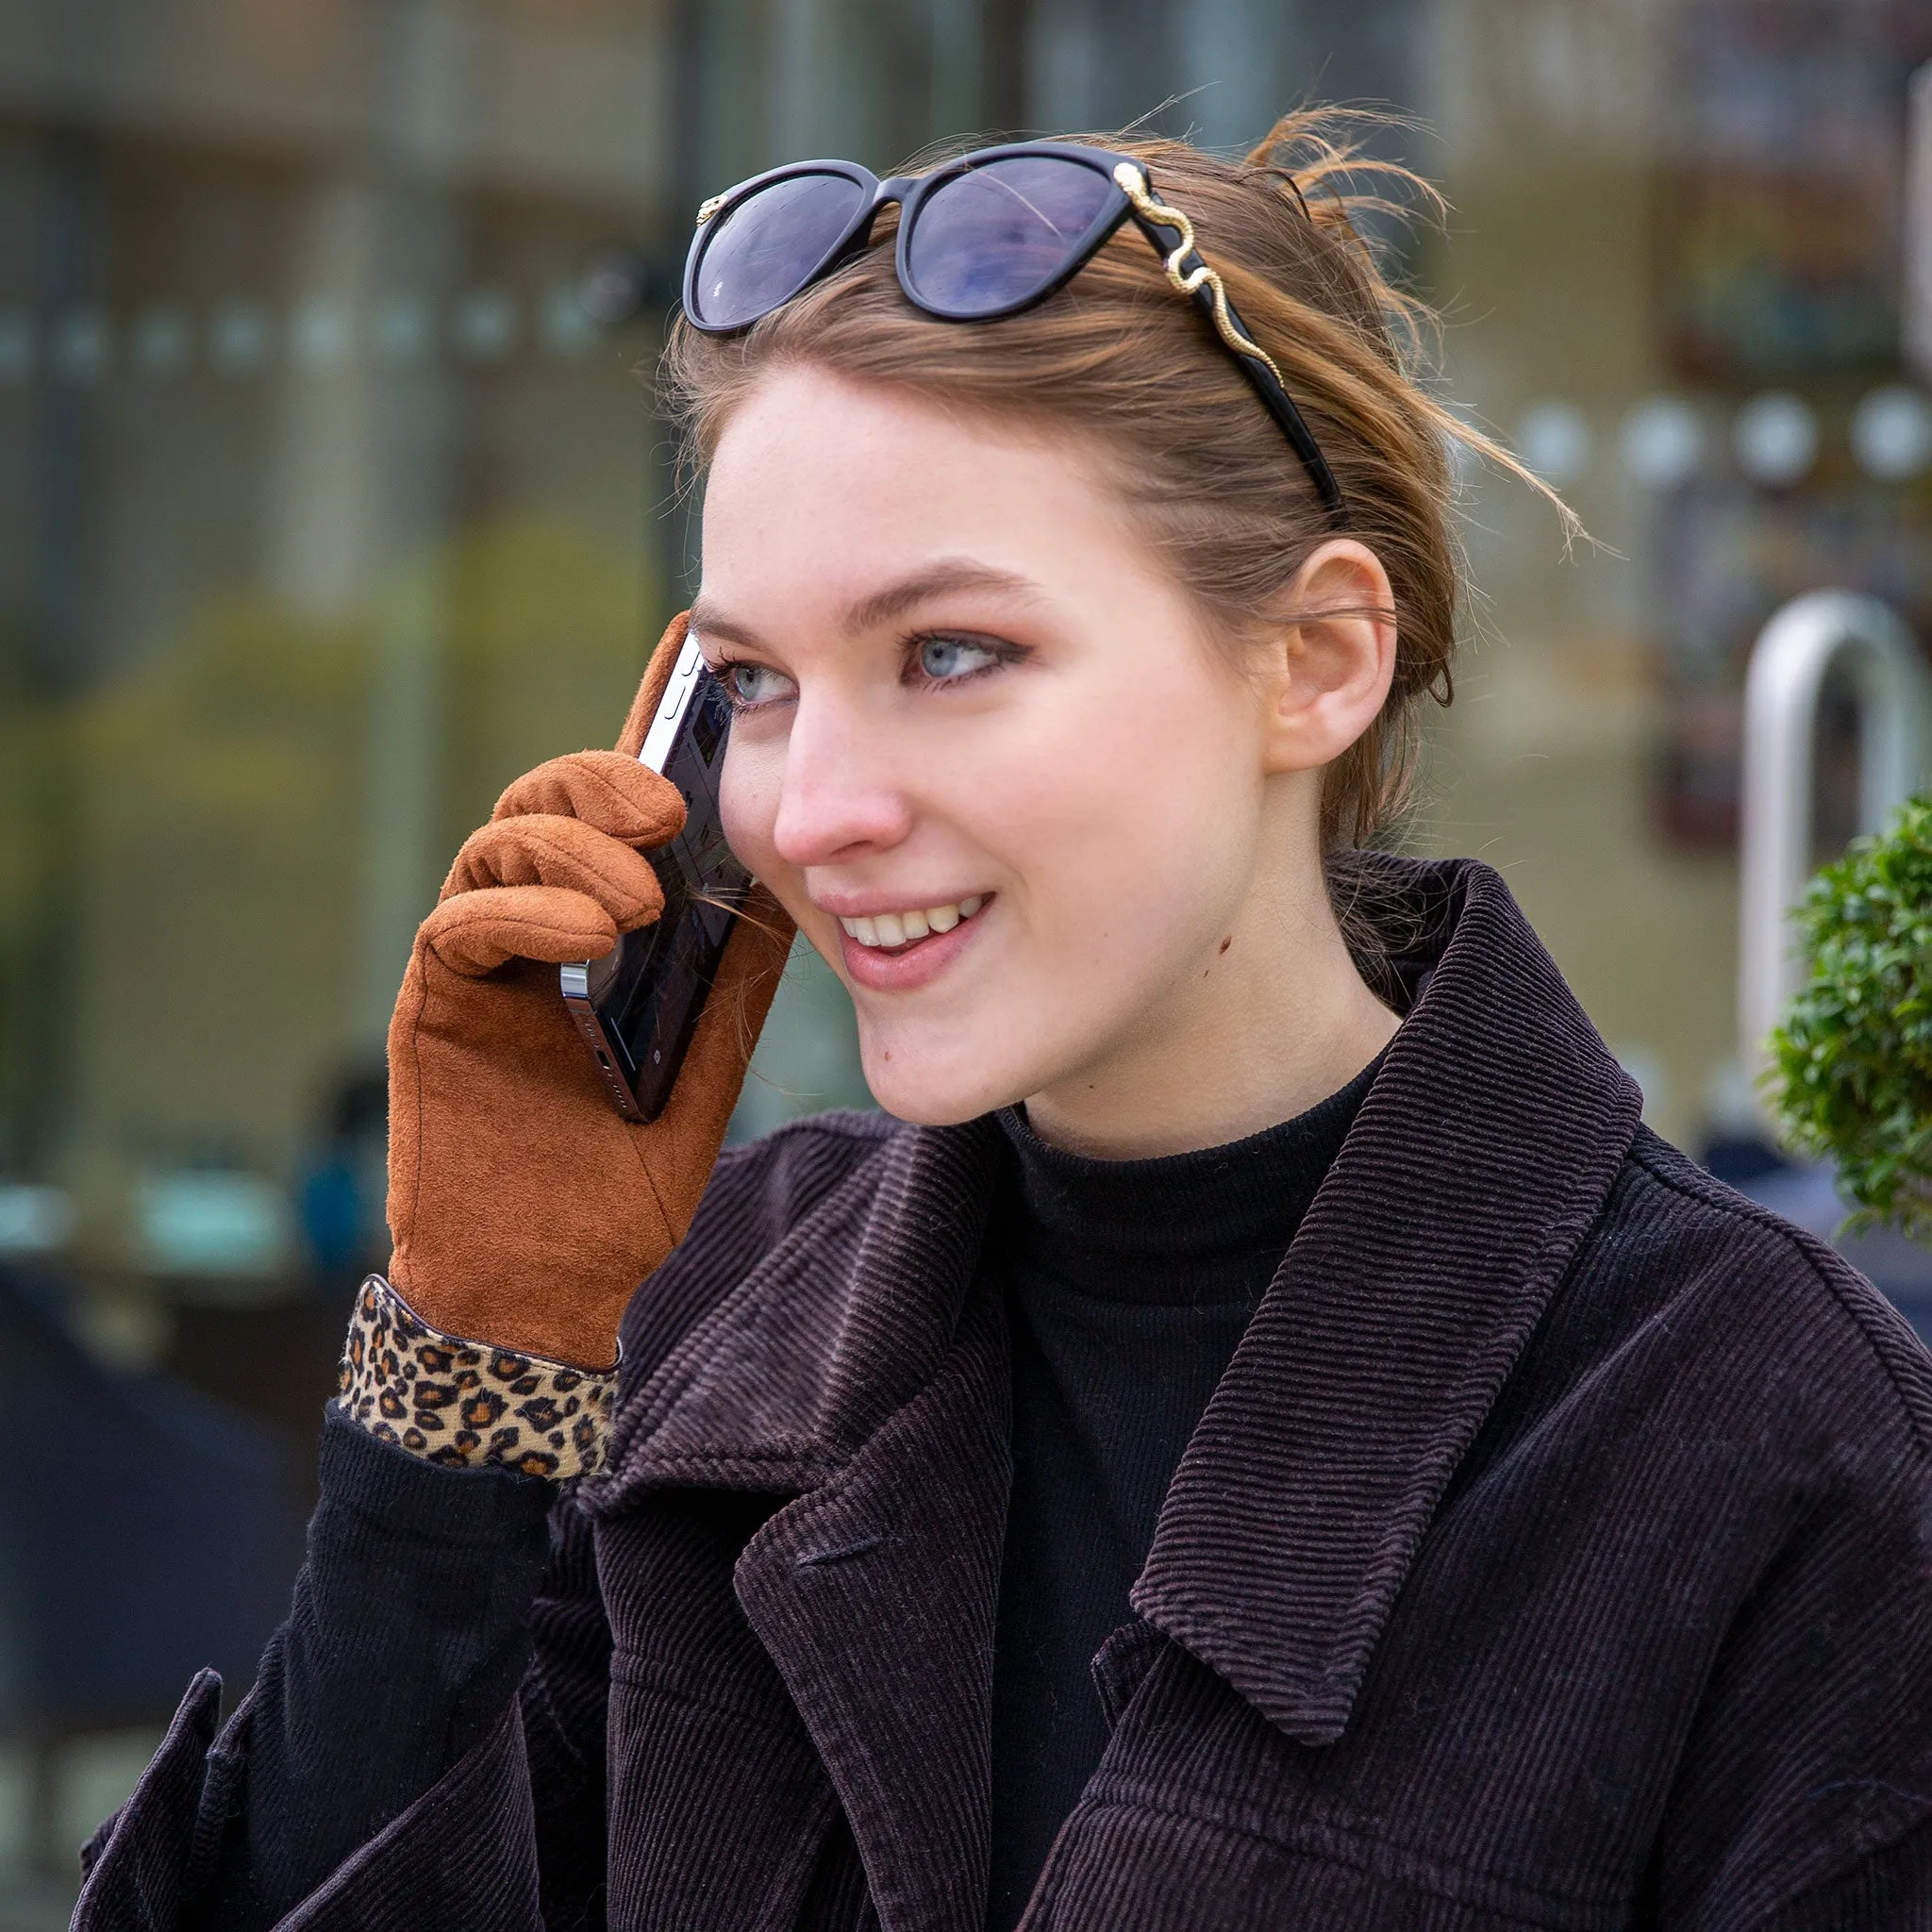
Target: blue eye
(755, 684)
(946, 660)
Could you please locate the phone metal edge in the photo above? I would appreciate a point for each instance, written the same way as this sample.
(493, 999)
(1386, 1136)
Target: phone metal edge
(574, 980)
(672, 705)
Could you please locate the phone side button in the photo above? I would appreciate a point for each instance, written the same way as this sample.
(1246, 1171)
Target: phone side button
(615, 1085)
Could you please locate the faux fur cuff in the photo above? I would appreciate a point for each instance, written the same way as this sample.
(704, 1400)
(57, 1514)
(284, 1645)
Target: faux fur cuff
(464, 1403)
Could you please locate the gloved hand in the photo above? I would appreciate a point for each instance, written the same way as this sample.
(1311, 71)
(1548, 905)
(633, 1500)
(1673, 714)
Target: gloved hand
(525, 1210)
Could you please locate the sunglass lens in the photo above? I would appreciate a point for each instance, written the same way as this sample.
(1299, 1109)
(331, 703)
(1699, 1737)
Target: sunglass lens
(766, 248)
(992, 238)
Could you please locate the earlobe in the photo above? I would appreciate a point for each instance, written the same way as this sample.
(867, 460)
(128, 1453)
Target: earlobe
(1334, 659)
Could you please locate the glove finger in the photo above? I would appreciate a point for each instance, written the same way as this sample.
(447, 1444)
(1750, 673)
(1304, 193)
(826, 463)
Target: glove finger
(477, 932)
(613, 794)
(543, 850)
(630, 740)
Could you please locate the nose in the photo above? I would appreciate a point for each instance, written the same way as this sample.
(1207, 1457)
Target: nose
(840, 800)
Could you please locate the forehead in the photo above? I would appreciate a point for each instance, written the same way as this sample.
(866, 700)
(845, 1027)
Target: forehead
(818, 476)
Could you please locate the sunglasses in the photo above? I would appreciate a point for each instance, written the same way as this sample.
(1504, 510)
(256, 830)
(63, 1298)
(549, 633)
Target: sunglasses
(985, 236)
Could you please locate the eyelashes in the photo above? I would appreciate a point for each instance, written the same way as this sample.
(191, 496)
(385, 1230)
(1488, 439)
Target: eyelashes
(732, 674)
(930, 661)
(942, 657)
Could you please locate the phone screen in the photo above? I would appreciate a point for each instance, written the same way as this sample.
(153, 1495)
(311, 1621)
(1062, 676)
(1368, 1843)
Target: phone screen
(637, 1007)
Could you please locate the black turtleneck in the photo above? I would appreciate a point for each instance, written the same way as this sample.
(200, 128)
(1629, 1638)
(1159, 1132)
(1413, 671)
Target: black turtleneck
(1127, 1284)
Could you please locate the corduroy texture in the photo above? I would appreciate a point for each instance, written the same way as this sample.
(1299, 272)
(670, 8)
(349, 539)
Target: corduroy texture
(1127, 1286)
(524, 1208)
(1556, 1551)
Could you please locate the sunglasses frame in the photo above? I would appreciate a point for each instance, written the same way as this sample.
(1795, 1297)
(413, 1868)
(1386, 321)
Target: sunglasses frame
(1131, 197)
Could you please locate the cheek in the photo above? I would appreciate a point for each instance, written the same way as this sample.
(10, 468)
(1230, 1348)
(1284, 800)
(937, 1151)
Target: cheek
(1138, 813)
(748, 794)
(1120, 854)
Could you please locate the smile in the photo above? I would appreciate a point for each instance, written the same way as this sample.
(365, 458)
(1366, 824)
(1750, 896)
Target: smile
(888, 932)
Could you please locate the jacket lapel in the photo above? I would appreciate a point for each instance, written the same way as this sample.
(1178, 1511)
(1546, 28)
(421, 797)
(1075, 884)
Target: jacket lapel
(875, 1597)
(1483, 1153)
(857, 1370)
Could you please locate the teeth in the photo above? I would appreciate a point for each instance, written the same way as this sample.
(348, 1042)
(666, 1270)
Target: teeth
(890, 929)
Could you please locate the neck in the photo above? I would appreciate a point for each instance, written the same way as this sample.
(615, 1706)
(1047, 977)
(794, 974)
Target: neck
(1250, 1036)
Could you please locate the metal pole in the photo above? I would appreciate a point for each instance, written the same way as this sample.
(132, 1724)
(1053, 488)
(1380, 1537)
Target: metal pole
(1789, 664)
(1916, 279)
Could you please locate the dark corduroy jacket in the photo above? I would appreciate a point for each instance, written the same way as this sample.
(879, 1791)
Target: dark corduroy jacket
(1556, 1551)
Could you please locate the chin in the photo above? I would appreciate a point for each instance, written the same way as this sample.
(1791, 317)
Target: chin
(936, 1090)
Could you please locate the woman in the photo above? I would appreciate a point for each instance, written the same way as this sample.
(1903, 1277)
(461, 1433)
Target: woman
(1258, 1433)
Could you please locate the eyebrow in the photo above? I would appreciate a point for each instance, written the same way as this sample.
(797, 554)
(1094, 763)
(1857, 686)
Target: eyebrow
(883, 607)
(935, 580)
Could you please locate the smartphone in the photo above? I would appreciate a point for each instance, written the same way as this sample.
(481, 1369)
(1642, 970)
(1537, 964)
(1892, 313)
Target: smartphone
(637, 1007)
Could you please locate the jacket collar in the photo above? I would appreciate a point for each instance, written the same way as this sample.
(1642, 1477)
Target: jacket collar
(1481, 1156)
(840, 1325)
(856, 1370)
(1483, 1153)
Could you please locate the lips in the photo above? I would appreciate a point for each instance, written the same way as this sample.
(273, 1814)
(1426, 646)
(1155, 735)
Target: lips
(891, 932)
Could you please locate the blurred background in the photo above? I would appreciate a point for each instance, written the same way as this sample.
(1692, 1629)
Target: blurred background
(330, 499)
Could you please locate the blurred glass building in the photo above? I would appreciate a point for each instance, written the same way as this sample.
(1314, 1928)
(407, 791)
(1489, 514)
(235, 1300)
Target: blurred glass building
(331, 498)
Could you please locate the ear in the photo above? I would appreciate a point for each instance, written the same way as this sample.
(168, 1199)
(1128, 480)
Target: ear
(1332, 658)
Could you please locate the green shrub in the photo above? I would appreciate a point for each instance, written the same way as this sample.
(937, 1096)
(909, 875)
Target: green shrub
(1850, 1072)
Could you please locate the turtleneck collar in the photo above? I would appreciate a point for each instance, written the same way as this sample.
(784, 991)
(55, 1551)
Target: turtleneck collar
(1182, 1228)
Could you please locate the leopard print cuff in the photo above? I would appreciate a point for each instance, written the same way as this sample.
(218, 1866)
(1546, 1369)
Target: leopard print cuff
(466, 1404)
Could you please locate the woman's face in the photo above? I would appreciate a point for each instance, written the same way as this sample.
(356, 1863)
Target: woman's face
(983, 754)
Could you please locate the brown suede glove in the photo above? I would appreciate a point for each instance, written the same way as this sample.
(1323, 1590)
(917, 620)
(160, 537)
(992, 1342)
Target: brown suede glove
(524, 1208)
